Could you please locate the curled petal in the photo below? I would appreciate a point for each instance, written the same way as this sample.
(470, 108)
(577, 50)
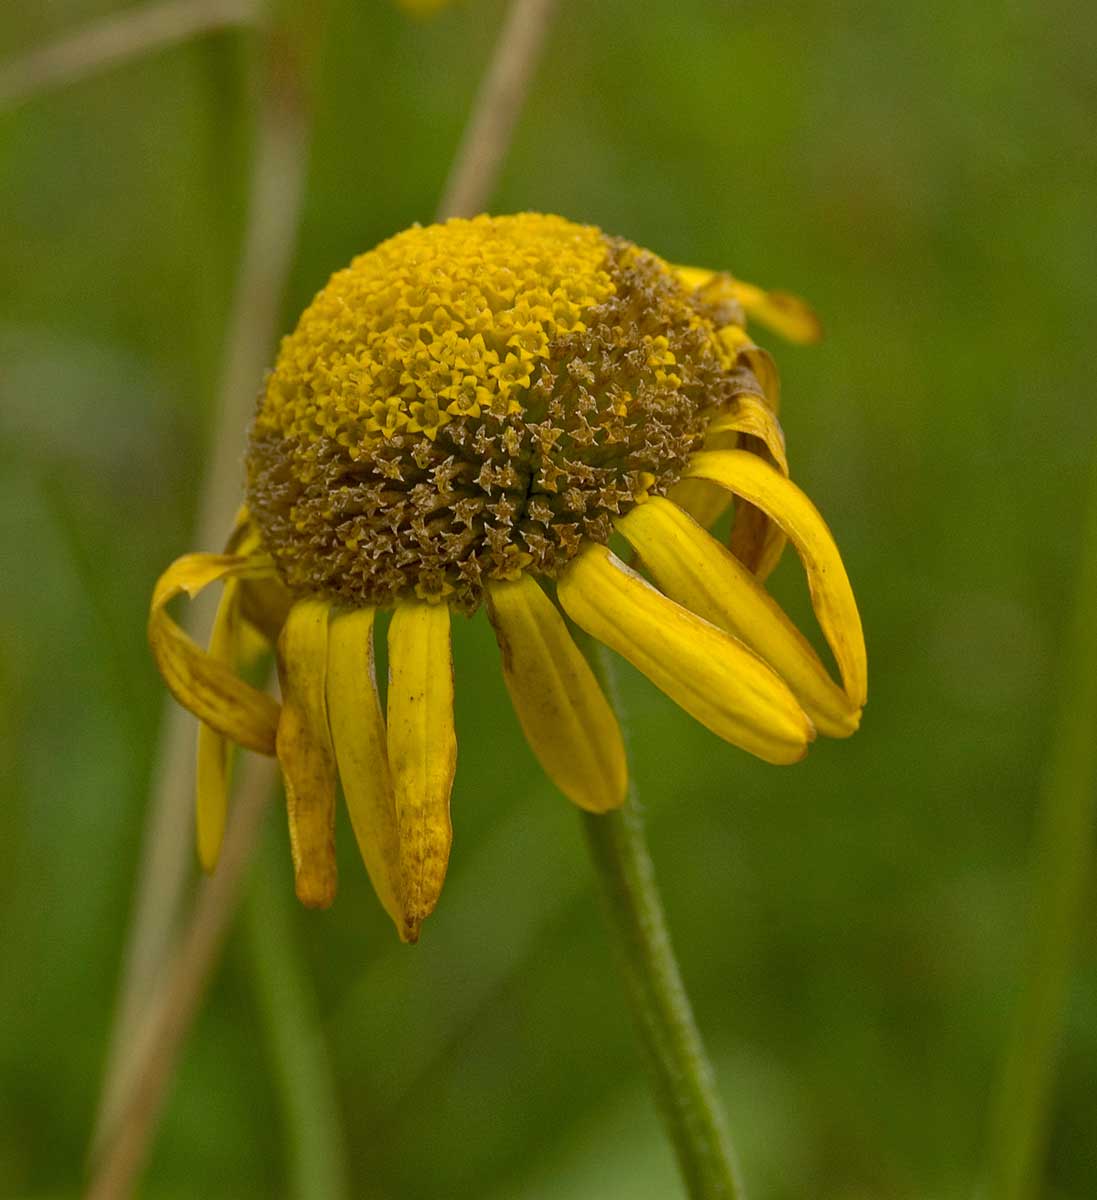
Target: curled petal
(756, 541)
(752, 416)
(749, 416)
(831, 594)
(214, 749)
(705, 502)
(565, 715)
(358, 736)
(244, 537)
(714, 677)
(691, 566)
(210, 689)
(265, 604)
(422, 750)
(305, 751)
(782, 312)
(743, 349)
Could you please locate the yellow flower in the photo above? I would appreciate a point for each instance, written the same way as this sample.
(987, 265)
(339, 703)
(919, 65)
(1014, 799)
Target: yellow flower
(466, 415)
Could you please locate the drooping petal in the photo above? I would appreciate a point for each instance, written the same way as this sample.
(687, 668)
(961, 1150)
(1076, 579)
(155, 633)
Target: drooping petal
(265, 604)
(704, 501)
(566, 718)
(831, 595)
(782, 312)
(691, 567)
(710, 674)
(244, 537)
(751, 415)
(422, 746)
(358, 736)
(743, 349)
(756, 541)
(212, 778)
(696, 278)
(214, 693)
(305, 751)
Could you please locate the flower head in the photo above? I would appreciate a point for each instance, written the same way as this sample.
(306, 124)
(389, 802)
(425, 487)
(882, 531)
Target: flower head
(465, 416)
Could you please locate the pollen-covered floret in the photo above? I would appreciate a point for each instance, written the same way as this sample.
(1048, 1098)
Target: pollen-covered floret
(475, 399)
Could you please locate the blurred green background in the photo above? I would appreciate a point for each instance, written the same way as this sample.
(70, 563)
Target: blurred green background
(851, 929)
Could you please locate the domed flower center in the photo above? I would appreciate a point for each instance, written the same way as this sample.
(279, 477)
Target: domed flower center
(472, 400)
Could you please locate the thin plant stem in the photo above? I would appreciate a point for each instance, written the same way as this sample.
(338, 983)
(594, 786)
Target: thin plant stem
(276, 193)
(139, 1066)
(158, 1039)
(1062, 861)
(132, 33)
(301, 1065)
(679, 1066)
(496, 109)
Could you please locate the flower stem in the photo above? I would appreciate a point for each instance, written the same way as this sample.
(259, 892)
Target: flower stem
(156, 1043)
(301, 1065)
(278, 176)
(498, 105)
(1062, 860)
(132, 33)
(681, 1073)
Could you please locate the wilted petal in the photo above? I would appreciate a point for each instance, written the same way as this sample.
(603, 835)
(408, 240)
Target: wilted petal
(358, 735)
(831, 595)
(213, 692)
(782, 312)
(422, 750)
(714, 677)
(751, 415)
(212, 779)
(565, 715)
(305, 751)
(691, 566)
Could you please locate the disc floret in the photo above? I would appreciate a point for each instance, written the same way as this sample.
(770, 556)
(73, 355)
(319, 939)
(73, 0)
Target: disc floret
(473, 400)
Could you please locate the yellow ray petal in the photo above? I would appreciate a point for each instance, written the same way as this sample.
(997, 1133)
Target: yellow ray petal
(211, 691)
(305, 751)
(744, 349)
(756, 541)
(566, 718)
(782, 312)
(213, 773)
(358, 735)
(751, 415)
(748, 416)
(422, 749)
(691, 566)
(265, 604)
(710, 674)
(245, 537)
(695, 278)
(831, 595)
(705, 502)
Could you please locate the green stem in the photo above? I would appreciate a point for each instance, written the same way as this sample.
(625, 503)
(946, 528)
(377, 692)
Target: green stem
(681, 1072)
(1062, 855)
(299, 1055)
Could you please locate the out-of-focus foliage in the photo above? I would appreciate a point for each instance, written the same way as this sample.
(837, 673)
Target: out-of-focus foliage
(850, 928)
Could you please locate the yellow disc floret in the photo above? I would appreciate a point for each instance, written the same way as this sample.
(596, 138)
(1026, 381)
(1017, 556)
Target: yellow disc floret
(435, 323)
(473, 399)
